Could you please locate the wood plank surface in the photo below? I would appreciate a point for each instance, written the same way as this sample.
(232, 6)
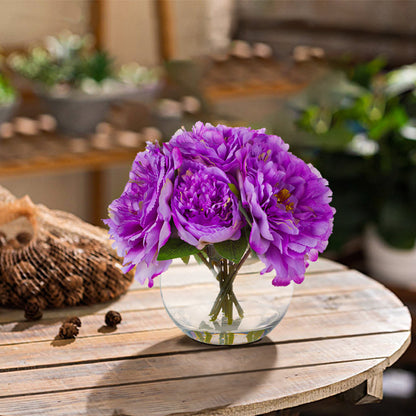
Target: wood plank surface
(234, 394)
(207, 362)
(139, 299)
(341, 330)
(310, 306)
(116, 345)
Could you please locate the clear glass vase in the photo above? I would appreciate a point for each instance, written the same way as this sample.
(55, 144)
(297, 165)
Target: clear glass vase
(250, 309)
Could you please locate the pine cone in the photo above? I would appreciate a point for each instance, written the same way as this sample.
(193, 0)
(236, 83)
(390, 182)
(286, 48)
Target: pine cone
(106, 295)
(54, 295)
(74, 320)
(72, 282)
(13, 276)
(8, 258)
(90, 294)
(33, 311)
(74, 297)
(68, 330)
(101, 266)
(112, 318)
(100, 279)
(42, 302)
(117, 281)
(4, 293)
(26, 269)
(27, 288)
(13, 244)
(43, 248)
(88, 244)
(15, 300)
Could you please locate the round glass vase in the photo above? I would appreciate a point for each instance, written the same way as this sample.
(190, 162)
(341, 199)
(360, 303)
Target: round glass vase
(252, 307)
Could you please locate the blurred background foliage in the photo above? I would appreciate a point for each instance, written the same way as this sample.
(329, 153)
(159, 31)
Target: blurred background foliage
(357, 125)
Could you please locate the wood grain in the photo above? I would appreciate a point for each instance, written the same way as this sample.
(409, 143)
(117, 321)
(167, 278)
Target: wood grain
(341, 331)
(314, 309)
(138, 298)
(234, 394)
(208, 362)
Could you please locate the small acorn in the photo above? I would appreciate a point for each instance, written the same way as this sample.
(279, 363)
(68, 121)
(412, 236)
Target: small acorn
(68, 330)
(33, 311)
(74, 320)
(112, 318)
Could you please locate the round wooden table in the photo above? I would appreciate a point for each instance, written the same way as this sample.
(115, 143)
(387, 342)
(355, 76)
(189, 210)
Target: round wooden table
(341, 331)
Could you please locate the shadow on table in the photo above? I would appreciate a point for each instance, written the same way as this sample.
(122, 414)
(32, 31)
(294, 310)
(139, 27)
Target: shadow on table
(156, 382)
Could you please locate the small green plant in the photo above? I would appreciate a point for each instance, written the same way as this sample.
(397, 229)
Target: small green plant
(7, 92)
(362, 125)
(68, 60)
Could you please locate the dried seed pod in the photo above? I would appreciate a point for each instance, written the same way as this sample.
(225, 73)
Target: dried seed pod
(33, 310)
(74, 320)
(68, 330)
(112, 318)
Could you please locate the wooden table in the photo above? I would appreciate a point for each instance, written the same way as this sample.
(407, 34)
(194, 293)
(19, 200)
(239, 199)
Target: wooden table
(341, 331)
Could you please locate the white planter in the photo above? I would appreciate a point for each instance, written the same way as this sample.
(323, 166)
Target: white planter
(388, 264)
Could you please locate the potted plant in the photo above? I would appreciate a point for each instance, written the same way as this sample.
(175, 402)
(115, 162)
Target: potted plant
(372, 124)
(8, 100)
(77, 82)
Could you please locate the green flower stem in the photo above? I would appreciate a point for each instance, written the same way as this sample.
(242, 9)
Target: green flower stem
(208, 264)
(237, 305)
(226, 291)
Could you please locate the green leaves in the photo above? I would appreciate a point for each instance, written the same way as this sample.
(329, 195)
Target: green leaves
(397, 223)
(233, 250)
(392, 121)
(234, 190)
(176, 248)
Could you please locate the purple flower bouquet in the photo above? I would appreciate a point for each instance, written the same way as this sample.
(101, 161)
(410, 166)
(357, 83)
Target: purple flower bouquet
(221, 194)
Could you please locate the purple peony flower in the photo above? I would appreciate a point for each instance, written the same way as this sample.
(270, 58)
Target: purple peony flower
(187, 182)
(204, 209)
(213, 146)
(139, 219)
(288, 201)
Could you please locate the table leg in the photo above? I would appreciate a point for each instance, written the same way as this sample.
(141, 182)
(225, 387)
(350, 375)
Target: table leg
(371, 391)
(96, 196)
